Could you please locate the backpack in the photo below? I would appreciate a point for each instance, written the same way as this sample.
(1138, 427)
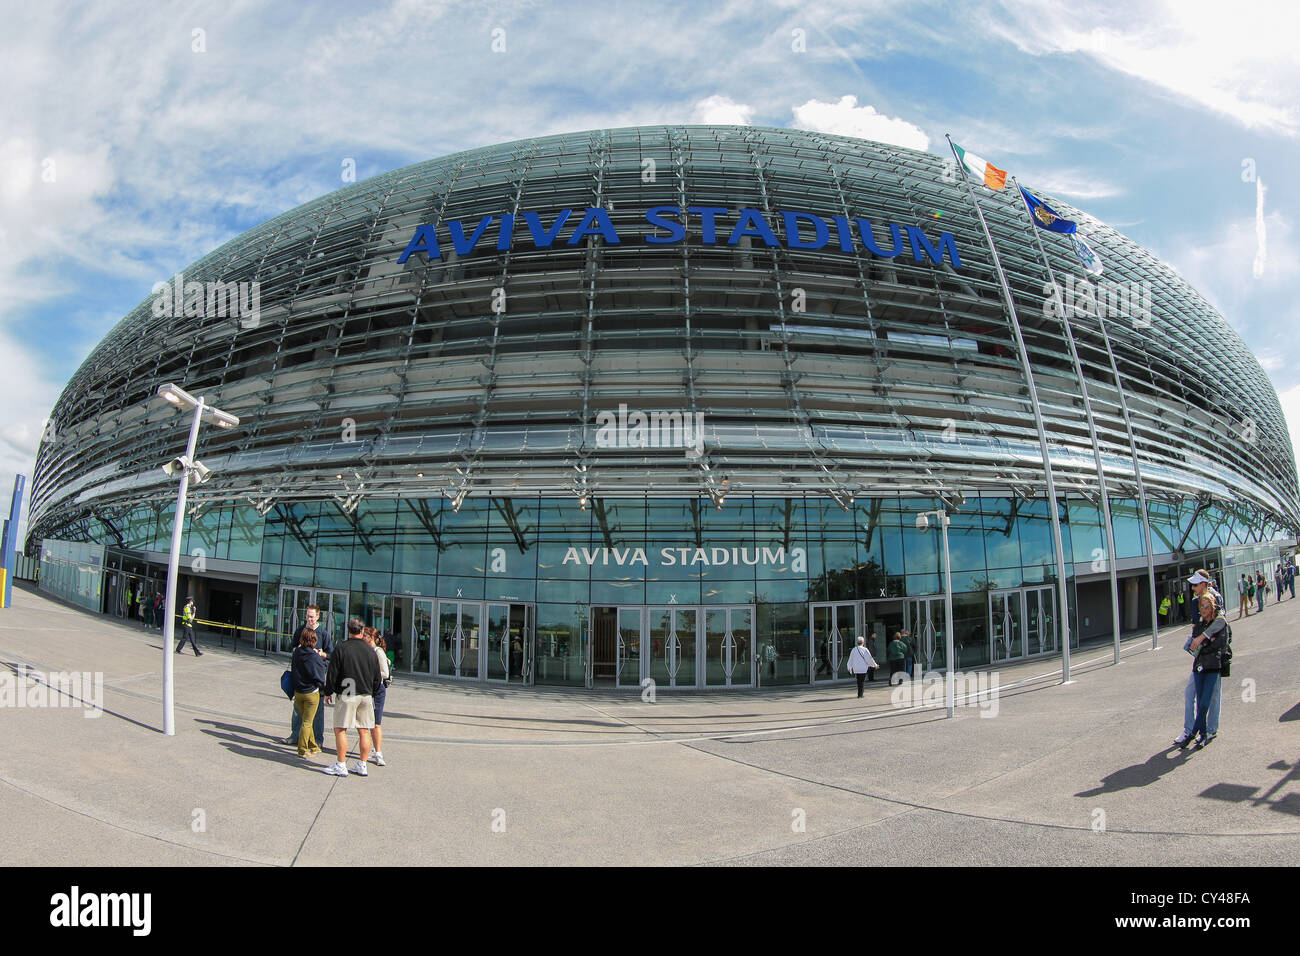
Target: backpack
(286, 683)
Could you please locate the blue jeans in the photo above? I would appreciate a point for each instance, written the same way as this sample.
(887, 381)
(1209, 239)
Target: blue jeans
(1189, 707)
(1259, 594)
(317, 725)
(1207, 686)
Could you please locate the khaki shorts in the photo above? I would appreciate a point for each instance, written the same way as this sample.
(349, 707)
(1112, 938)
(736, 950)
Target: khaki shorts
(354, 713)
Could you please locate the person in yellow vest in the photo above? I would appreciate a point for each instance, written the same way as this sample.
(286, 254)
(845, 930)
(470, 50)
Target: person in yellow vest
(188, 614)
(1164, 608)
(1182, 606)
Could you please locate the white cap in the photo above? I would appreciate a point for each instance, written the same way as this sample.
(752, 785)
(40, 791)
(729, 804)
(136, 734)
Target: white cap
(1198, 578)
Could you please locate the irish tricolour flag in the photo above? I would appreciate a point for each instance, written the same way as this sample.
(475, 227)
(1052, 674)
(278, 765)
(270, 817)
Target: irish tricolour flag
(982, 169)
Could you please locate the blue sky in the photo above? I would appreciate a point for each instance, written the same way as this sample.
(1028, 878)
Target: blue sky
(131, 145)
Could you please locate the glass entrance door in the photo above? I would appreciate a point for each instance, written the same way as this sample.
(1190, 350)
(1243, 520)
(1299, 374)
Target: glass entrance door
(459, 625)
(832, 632)
(628, 665)
(925, 617)
(419, 644)
(673, 645)
(294, 602)
(882, 619)
(1006, 626)
(729, 643)
(1040, 621)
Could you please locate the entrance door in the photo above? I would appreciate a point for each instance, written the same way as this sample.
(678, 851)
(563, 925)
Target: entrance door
(832, 632)
(1040, 621)
(459, 636)
(1006, 626)
(506, 654)
(628, 665)
(293, 611)
(881, 620)
(729, 643)
(925, 617)
(674, 645)
(418, 643)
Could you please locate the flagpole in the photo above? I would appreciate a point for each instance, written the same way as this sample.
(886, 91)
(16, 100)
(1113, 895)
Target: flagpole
(1137, 473)
(1063, 603)
(1092, 426)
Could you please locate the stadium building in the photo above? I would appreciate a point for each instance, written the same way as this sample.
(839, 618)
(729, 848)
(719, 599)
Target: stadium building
(665, 402)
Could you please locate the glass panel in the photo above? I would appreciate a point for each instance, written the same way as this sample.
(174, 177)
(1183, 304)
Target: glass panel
(718, 651)
(471, 638)
(418, 637)
(448, 637)
(519, 627)
(661, 623)
(1006, 626)
(845, 633)
(687, 647)
(629, 647)
(742, 636)
(498, 641)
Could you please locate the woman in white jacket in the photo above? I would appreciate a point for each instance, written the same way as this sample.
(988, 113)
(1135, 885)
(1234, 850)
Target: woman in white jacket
(860, 661)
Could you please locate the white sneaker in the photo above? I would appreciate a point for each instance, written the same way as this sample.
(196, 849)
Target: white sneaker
(337, 769)
(378, 758)
(358, 768)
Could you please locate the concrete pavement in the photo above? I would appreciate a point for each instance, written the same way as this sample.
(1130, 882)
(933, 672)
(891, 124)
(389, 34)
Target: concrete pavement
(1076, 774)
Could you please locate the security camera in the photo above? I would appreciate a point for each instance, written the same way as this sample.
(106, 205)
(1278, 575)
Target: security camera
(922, 522)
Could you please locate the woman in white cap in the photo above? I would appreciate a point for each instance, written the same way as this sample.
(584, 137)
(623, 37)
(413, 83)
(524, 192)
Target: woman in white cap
(861, 661)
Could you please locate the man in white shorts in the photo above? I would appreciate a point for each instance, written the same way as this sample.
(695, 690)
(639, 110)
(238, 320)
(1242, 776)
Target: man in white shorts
(351, 683)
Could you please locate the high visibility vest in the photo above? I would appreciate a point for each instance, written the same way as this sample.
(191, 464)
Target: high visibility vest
(187, 615)
(1164, 605)
(1182, 598)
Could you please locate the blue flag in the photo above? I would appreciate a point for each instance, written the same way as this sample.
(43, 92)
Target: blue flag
(1045, 216)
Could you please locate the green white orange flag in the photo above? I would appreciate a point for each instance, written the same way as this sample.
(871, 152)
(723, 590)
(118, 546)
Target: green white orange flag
(982, 169)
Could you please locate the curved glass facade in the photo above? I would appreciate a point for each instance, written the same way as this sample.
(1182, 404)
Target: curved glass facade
(441, 381)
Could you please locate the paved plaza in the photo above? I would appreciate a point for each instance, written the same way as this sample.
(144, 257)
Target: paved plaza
(1063, 774)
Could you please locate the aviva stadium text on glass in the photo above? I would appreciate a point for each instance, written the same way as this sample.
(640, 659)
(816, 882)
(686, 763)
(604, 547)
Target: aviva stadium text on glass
(664, 402)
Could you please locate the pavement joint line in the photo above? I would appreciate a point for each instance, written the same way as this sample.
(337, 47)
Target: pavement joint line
(319, 810)
(134, 830)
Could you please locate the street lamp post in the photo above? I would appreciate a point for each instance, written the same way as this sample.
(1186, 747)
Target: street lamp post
(923, 524)
(186, 465)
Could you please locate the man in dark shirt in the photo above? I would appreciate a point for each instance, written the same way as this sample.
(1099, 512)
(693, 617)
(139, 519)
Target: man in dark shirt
(323, 647)
(352, 678)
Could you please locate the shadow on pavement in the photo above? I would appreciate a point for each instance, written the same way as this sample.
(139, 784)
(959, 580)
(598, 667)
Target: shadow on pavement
(254, 743)
(1292, 714)
(1138, 775)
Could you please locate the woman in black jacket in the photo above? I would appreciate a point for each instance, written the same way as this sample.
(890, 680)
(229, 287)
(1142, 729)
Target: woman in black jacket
(1209, 646)
(308, 679)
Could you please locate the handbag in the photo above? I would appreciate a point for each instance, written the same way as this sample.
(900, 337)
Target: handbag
(286, 683)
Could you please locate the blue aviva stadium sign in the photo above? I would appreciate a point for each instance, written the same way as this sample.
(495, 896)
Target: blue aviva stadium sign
(665, 225)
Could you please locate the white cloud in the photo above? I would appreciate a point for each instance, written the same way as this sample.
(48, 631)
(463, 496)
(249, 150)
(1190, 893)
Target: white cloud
(721, 110)
(1240, 62)
(847, 118)
(1070, 184)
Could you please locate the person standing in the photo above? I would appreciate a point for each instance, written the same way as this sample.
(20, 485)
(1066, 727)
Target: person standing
(897, 652)
(1202, 587)
(323, 647)
(1165, 604)
(1209, 647)
(1277, 583)
(1290, 579)
(351, 683)
(861, 662)
(376, 640)
(188, 614)
(1243, 599)
(308, 679)
(909, 659)
(1261, 589)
